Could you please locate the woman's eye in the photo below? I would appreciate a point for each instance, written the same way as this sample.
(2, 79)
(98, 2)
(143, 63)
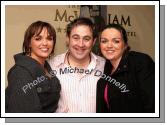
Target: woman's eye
(37, 38)
(116, 41)
(103, 41)
(50, 38)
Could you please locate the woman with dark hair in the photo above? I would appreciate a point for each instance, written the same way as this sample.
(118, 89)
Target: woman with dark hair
(128, 82)
(32, 86)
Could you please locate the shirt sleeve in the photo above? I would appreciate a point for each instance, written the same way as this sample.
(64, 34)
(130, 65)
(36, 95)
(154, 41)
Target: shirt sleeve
(146, 78)
(21, 95)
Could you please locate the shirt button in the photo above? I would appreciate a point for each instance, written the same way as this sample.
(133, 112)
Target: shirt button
(39, 89)
(125, 66)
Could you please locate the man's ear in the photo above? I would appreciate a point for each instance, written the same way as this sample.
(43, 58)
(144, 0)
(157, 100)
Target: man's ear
(94, 41)
(67, 41)
(126, 46)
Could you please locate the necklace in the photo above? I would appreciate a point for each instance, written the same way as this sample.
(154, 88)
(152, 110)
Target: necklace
(69, 61)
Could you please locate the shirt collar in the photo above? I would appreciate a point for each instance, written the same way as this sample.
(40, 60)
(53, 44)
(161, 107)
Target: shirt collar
(61, 60)
(123, 65)
(94, 61)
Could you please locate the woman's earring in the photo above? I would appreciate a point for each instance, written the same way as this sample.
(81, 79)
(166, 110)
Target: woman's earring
(29, 51)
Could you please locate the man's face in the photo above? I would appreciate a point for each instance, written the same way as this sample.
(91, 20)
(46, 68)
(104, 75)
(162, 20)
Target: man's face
(80, 42)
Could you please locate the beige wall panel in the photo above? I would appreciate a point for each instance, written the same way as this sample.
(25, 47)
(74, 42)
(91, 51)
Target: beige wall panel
(142, 22)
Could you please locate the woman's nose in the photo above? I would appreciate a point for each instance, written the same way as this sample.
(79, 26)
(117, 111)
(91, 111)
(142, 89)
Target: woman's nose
(44, 42)
(110, 44)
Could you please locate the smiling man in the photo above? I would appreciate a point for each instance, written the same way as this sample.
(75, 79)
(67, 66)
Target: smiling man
(78, 92)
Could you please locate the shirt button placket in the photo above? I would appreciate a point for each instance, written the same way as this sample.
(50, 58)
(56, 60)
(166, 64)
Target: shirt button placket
(80, 93)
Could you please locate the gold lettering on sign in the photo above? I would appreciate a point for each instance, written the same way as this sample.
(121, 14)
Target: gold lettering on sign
(130, 33)
(64, 16)
(122, 20)
(74, 6)
(119, 20)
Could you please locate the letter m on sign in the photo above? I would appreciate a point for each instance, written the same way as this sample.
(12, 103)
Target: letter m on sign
(60, 17)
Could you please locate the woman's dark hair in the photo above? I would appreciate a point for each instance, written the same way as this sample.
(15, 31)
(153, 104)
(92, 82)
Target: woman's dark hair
(35, 29)
(80, 21)
(122, 30)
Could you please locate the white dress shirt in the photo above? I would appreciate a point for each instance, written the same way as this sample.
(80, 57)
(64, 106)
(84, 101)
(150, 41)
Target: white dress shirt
(78, 86)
